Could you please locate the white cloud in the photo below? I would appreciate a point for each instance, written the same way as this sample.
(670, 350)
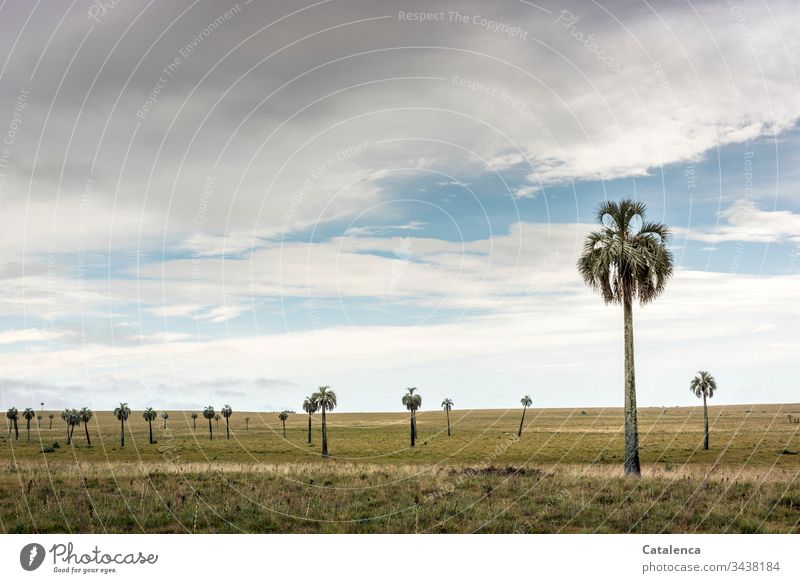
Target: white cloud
(744, 221)
(31, 335)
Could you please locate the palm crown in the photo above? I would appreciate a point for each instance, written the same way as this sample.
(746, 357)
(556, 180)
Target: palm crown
(149, 414)
(310, 405)
(412, 401)
(447, 404)
(526, 401)
(122, 412)
(283, 415)
(703, 384)
(209, 412)
(85, 414)
(226, 411)
(28, 414)
(324, 399)
(620, 261)
(12, 413)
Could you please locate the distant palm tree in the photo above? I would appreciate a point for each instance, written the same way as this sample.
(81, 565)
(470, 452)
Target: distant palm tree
(85, 415)
(165, 416)
(624, 264)
(72, 417)
(194, 420)
(704, 385)
(209, 414)
(121, 413)
(50, 416)
(65, 415)
(325, 400)
(150, 416)
(447, 405)
(42, 404)
(217, 418)
(28, 414)
(526, 402)
(310, 407)
(38, 420)
(247, 423)
(283, 416)
(227, 412)
(13, 416)
(412, 402)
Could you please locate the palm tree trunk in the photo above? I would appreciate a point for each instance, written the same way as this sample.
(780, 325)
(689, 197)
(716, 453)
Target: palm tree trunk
(150, 428)
(16, 429)
(51, 424)
(448, 422)
(194, 424)
(86, 429)
(411, 421)
(284, 429)
(705, 417)
(632, 467)
(210, 430)
(521, 421)
(68, 433)
(309, 428)
(29, 431)
(122, 432)
(227, 428)
(324, 434)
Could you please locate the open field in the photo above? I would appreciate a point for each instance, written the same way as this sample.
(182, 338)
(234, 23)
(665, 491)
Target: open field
(563, 475)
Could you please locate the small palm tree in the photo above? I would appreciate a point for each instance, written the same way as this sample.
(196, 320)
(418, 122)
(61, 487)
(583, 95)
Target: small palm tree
(51, 416)
(310, 407)
(73, 418)
(65, 415)
(150, 416)
(42, 404)
(165, 416)
(38, 420)
(624, 264)
(526, 402)
(194, 420)
(283, 416)
(13, 416)
(84, 416)
(704, 385)
(325, 400)
(247, 423)
(447, 405)
(121, 413)
(209, 414)
(412, 402)
(28, 414)
(227, 412)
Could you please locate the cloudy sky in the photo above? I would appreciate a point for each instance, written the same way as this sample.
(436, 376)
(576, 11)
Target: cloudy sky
(217, 202)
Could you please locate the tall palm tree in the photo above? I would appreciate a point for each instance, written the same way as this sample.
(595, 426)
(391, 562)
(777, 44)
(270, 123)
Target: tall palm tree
(194, 420)
(325, 400)
(209, 414)
(165, 416)
(704, 385)
(283, 416)
(65, 415)
(150, 416)
(310, 407)
(28, 414)
(624, 263)
(121, 413)
(412, 402)
(447, 405)
(50, 416)
(85, 415)
(526, 402)
(13, 416)
(227, 412)
(72, 417)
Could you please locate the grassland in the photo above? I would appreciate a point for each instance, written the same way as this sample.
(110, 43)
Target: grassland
(563, 475)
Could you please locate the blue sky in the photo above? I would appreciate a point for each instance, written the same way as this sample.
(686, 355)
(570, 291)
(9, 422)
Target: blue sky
(369, 203)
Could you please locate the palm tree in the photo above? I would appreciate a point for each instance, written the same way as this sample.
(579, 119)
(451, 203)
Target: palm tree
(42, 404)
(209, 414)
(624, 264)
(65, 415)
(704, 385)
(325, 400)
(28, 414)
(247, 423)
(447, 405)
(217, 418)
(13, 416)
(412, 402)
(526, 402)
(165, 416)
(85, 415)
(283, 416)
(310, 407)
(150, 416)
(121, 413)
(38, 421)
(50, 416)
(227, 412)
(194, 420)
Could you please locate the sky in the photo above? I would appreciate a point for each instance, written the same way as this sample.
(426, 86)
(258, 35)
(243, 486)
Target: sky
(216, 202)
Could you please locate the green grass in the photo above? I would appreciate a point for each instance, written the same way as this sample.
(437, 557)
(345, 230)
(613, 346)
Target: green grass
(563, 475)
